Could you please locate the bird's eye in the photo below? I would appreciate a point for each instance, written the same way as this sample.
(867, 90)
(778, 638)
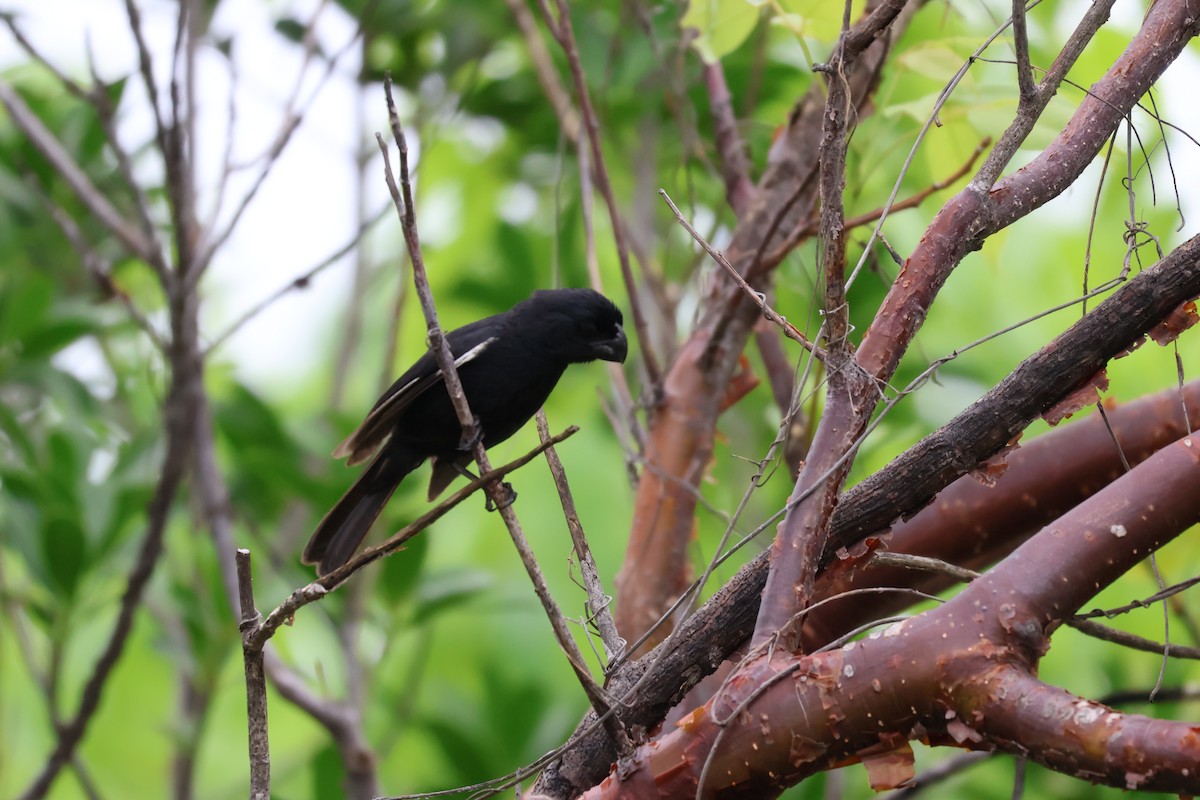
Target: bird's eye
(588, 328)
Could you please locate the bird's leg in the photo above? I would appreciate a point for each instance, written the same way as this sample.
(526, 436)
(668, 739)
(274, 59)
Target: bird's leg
(470, 437)
(509, 492)
(461, 469)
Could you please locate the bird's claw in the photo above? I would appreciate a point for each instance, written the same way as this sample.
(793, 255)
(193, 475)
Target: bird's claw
(510, 497)
(471, 437)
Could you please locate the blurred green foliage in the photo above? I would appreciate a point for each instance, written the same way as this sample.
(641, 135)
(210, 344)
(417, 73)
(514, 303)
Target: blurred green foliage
(462, 677)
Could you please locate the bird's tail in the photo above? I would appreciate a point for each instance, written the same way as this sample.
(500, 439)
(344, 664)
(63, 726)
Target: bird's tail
(341, 531)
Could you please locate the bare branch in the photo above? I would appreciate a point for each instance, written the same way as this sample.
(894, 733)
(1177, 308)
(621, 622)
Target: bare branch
(735, 163)
(598, 600)
(179, 420)
(402, 198)
(1021, 45)
(45, 141)
(564, 33)
(256, 685)
(850, 393)
(988, 639)
(789, 330)
(723, 623)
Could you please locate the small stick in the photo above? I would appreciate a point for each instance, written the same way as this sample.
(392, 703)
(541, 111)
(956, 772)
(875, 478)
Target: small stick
(256, 684)
(759, 298)
(598, 600)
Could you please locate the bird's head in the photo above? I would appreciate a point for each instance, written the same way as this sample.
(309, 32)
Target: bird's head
(578, 324)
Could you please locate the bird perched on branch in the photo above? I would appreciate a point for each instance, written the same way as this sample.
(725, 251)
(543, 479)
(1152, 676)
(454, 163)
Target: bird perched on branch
(508, 364)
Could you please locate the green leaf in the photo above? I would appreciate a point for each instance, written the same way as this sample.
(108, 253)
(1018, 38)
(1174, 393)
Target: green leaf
(23, 306)
(21, 485)
(935, 60)
(66, 464)
(817, 19)
(246, 419)
(721, 25)
(55, 335)
(137, 279)
(65, 552)
(127, 509)
(16, 434)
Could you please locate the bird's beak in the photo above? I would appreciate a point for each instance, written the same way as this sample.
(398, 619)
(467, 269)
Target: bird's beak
(614, 349)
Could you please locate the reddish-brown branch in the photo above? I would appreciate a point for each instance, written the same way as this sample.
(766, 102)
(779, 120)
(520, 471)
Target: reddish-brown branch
(912, 201)
(903, 487)
(1038, 383)
(850, 394)
(680, 442)
(1076, 736)
(973, 523)
(734, 161)
(780, 719)
(980, 210)
(677, 451)
(723, 330)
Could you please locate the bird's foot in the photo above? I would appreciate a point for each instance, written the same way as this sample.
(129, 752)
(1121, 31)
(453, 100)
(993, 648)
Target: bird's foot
(471, 437)
(510, 497)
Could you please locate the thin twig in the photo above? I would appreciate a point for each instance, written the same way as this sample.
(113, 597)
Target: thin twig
(598, 600)
(1027, 116)
(1133, 641)
(45, 141)
(179, 418)
(802, 232)
(326, 583)
(293, 116)
(141, 202)
(734, 161)
(564, 33)
(402, 198)
(1157, 597)
(1021, 44)
(543, 67)
(790, 330)
(256, 684)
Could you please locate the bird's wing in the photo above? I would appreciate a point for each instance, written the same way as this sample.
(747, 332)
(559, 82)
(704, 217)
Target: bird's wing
(466, 343)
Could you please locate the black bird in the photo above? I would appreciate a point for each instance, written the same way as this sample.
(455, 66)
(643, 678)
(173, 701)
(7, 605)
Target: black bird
(508, 364)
